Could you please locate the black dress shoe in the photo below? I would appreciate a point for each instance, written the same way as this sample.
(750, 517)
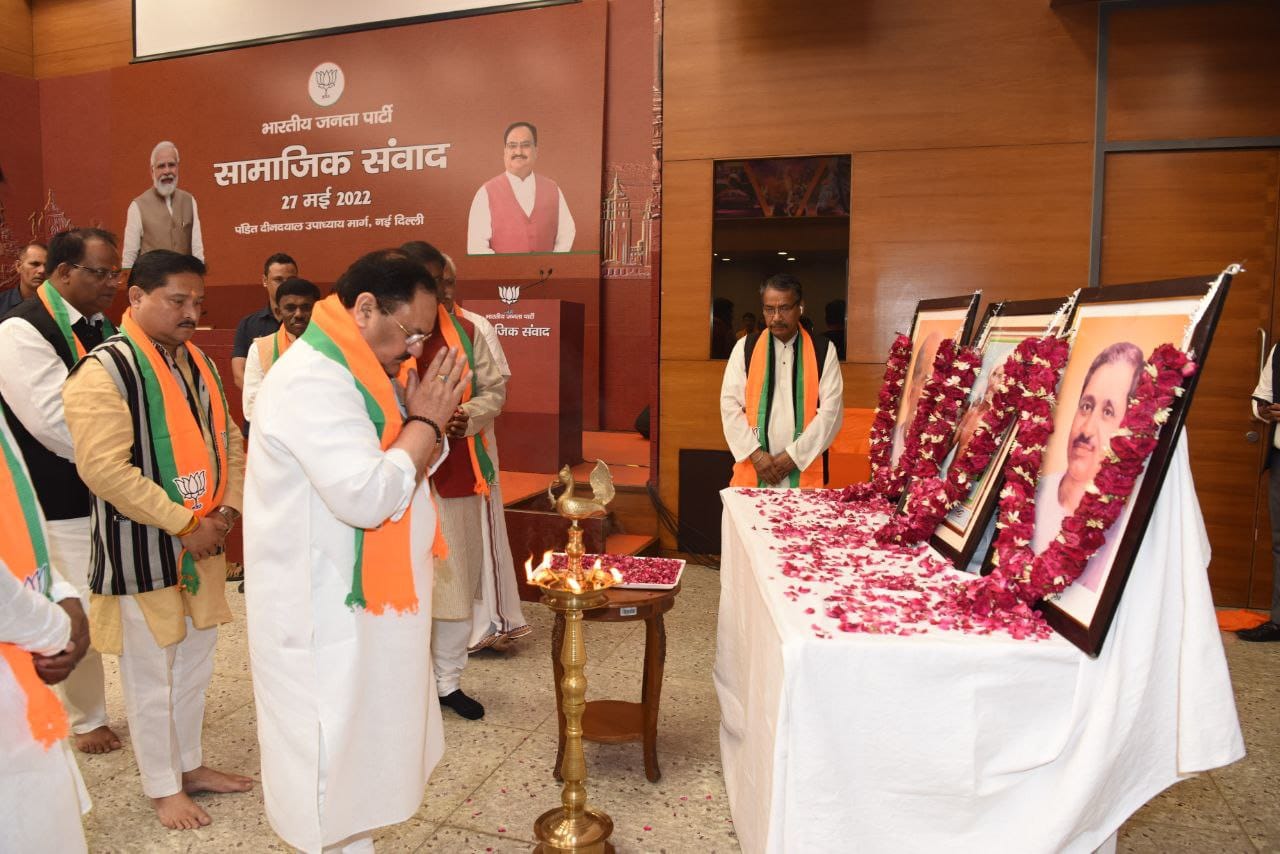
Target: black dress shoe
(463, 705)
(1265, 633)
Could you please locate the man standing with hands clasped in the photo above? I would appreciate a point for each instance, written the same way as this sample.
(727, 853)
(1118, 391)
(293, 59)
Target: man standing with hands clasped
(155, 445)
(782, 399)
(46, 336)
(339, 629)
(1266, 408)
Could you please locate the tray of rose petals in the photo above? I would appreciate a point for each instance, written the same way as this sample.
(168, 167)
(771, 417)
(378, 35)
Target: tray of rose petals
(638, 573)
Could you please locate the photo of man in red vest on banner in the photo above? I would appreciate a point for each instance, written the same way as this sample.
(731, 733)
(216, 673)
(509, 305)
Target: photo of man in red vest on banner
(519, 212)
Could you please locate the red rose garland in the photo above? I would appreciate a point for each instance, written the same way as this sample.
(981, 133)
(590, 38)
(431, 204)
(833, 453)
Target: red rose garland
(931, 498)
(1021, 578)
(895, 375)
(954, 370)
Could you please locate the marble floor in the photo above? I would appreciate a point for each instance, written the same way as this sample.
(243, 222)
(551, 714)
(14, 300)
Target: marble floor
(495, 778)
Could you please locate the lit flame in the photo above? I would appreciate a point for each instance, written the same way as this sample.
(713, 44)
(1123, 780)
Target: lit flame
(617, 576)
(546, 560)
(528, 569)
(595, 567)
(574, 585)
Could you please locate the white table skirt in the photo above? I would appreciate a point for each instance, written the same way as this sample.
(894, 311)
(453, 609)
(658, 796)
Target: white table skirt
(958, 742)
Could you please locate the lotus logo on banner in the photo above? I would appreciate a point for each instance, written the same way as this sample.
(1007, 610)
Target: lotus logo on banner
(509, 294)
(192, 487)
(326, 84)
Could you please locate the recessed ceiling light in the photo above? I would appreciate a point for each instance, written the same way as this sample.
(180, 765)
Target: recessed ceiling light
(714, 254)
(726, 259)
(782, 252)
(791, 259)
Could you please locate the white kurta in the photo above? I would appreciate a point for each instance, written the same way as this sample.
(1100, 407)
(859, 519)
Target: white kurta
(497, 611)
(323, 672)
(41, 793)
(815, 439)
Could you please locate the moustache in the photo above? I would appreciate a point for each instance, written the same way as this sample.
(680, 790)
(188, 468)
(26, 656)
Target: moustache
(188, 324)
(1082, 441)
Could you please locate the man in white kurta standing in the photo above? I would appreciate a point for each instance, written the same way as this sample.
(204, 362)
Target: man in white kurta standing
(782, 399)
(339, 629)
(460, 487)
(496, 616)
(47, 336)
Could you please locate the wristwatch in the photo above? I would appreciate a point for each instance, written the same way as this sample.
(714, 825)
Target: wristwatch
(230, 515)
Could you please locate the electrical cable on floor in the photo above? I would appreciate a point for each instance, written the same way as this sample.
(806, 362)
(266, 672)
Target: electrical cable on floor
(671, 523)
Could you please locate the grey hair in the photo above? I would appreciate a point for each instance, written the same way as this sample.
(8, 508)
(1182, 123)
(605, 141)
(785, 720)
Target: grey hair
(448, 262)
(163, 144)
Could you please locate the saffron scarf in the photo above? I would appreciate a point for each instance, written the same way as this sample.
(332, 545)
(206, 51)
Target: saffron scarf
(24, 551)
(57, 308)
(382, 576)
(760, 384)
(477, 450)
(272, 347)
(184, 467)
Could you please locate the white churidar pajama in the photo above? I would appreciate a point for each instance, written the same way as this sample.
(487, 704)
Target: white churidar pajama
(164, 690)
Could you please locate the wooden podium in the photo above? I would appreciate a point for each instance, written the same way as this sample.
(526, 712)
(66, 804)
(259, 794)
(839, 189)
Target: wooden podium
(540, 428)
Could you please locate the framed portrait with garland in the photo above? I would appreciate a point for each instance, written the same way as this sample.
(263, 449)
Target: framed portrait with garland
(1116, 335)
(966, 528)
(935, 320)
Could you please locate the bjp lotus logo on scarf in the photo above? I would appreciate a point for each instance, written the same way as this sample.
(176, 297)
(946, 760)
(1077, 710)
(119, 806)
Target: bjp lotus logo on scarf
(192, 486)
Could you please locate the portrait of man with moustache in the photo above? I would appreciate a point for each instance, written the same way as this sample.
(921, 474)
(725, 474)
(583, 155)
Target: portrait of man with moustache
(1110, 381)
(519, 211)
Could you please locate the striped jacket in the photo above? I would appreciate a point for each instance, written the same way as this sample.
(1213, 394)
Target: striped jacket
(127, 557)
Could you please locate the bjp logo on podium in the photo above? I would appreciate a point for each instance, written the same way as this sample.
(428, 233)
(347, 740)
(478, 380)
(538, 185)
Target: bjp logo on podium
(192, 486)
(509, 294)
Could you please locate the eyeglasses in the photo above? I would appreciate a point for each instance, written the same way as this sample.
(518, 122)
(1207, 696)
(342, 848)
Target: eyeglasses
(411, 339)
(775, 310)
(100, 273)
(520, 146)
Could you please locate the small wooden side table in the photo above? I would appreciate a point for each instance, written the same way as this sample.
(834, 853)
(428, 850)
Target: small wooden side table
(618, 721)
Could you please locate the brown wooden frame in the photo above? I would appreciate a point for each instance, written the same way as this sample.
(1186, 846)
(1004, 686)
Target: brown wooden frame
(1089, 638)
(985, 510)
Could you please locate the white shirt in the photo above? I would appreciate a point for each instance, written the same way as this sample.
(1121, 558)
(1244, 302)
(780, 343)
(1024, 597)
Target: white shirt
(820, 433)
(133, 232)
(345, 698)
(41, 793)
(34, 393)
(1264, 391)
(480, 224)
(253, 374)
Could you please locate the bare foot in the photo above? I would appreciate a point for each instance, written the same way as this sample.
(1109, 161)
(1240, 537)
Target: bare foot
(179, 812)
(100, 740)
(206, 779)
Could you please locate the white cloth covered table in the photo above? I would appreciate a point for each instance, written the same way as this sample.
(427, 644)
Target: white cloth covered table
(960, 742)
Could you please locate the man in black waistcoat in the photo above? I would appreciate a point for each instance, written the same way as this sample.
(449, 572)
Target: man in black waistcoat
(40, 340)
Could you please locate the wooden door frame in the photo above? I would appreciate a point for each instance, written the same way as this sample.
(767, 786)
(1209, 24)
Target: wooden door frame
(1101, 147)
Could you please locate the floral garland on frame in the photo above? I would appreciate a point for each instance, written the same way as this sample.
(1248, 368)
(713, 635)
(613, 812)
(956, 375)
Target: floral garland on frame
(1022, 578)
(930, 498)
(937, 413)
(881, 439)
